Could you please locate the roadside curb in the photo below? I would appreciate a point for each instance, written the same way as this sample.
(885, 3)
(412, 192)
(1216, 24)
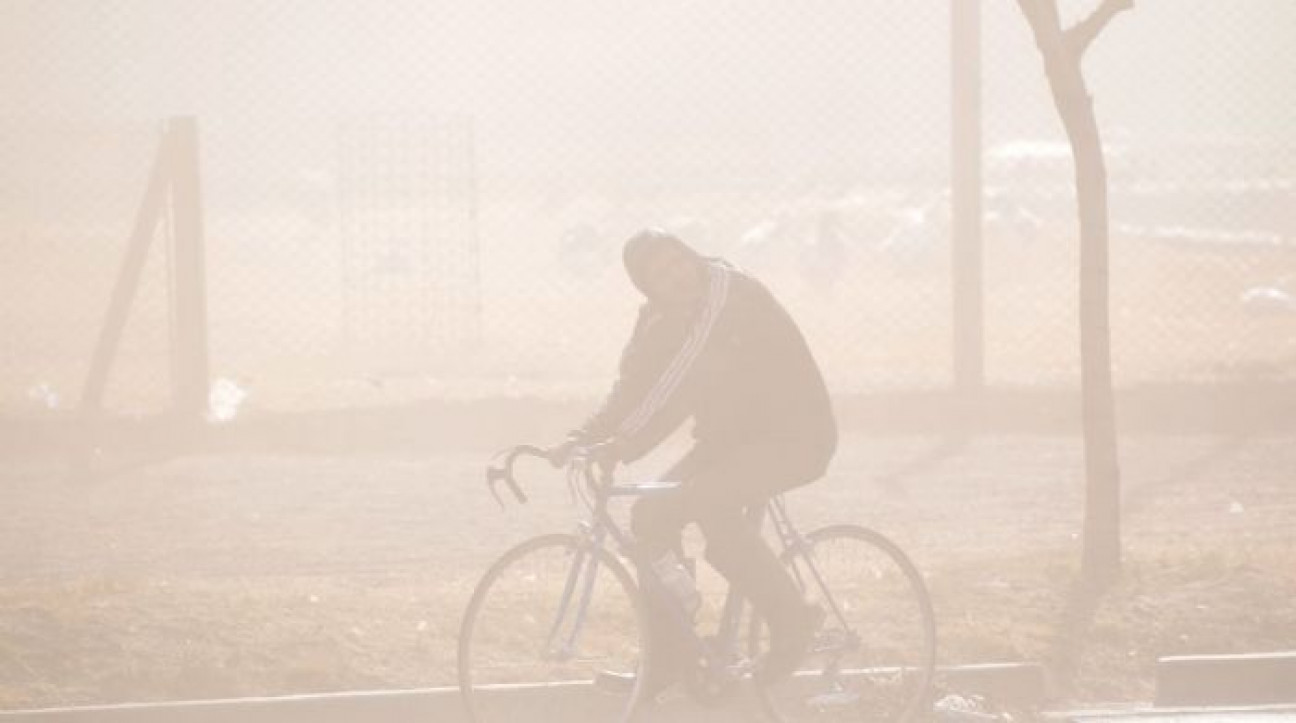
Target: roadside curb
(1188, 714)
(402, 705)
(1018, 682)
(1221, 680)
(1023, 683)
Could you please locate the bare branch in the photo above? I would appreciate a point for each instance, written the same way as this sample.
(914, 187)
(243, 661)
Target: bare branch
(1042, 16)
(1082, 34)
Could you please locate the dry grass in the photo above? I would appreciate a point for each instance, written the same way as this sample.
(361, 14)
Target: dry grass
(257, 575)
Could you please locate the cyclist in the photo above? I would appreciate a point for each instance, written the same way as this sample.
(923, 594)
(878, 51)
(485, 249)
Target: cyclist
(712, 344)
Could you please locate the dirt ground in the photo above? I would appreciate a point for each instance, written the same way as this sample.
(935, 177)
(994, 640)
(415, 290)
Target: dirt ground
(259, 572)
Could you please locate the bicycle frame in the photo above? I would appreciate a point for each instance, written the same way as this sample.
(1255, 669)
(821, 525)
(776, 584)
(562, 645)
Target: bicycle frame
(593, 485)
(795, 544)
(842, 672)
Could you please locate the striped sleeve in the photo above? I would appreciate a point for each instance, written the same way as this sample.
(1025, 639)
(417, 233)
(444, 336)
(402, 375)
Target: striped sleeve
(662, 393)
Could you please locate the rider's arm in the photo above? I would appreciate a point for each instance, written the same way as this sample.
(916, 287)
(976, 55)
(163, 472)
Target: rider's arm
(643, 362)
(652, 397)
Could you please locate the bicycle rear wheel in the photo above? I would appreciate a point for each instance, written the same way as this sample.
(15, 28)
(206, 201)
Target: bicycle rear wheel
(544, 622)
(875, 654)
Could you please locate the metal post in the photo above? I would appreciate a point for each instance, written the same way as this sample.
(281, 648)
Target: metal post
(476, 333)
(189, 296)
(966, 196)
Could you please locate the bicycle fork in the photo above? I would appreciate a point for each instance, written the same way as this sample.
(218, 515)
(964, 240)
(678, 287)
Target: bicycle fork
(578, 588)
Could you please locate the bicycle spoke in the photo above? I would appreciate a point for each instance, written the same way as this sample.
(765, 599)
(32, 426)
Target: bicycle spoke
(549, 615)
(874, 657)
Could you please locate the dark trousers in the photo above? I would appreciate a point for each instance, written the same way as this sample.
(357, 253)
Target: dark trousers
(718, 485)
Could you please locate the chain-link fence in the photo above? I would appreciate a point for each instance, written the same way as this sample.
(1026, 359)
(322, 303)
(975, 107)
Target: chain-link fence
(417, 199)
(1201, 153)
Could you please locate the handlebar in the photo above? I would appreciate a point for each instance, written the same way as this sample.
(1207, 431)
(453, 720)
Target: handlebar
(503, 470)
(581, 463)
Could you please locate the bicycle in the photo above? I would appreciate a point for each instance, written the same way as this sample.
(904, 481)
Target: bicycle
(555, 613)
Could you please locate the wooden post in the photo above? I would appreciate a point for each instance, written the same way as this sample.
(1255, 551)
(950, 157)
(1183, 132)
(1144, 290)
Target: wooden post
(189, 295)
(966, 197)
(477, 332)
(146, 222)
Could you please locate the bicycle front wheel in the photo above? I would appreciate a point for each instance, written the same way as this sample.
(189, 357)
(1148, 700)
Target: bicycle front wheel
(874, 656)
(546, 622)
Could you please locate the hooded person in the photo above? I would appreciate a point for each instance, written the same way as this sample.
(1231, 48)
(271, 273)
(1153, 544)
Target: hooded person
(652, 254)
(711, 344)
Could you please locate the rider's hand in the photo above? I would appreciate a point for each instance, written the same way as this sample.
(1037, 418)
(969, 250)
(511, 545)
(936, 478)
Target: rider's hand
(561, 454)
(604, 453)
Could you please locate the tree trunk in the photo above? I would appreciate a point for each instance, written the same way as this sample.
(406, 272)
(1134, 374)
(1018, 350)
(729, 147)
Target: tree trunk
(1102, 558)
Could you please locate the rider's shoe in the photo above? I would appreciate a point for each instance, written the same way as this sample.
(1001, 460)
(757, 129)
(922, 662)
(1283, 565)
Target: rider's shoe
(787, 651)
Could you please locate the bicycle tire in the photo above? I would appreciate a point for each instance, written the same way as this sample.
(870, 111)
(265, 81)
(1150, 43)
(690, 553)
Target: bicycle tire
(511, 665)
(874, 657)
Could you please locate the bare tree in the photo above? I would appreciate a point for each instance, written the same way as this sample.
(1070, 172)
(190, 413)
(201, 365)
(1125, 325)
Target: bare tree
(1063, 52)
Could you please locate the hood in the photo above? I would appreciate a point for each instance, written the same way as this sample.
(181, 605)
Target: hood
(642, 245)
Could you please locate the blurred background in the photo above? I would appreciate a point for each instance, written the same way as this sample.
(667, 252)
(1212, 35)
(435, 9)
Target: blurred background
(404, 200)
(406, 254)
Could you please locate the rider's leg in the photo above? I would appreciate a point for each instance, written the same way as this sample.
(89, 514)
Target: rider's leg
(737, 550)
(657, 523)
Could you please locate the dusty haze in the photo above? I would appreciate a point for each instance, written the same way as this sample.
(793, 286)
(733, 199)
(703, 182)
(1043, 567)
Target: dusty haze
(412, 216)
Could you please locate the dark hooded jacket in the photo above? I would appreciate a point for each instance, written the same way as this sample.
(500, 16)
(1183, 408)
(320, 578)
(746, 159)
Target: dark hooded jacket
(737, 365)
